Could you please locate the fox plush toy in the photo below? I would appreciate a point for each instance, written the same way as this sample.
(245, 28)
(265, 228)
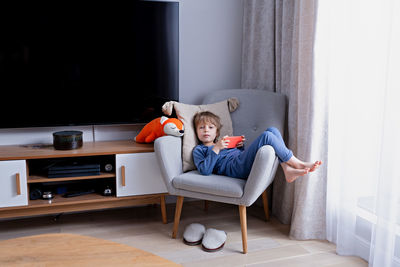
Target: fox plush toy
(160, 127)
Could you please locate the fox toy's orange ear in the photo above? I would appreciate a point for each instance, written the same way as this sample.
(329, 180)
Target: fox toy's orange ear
(163, 119)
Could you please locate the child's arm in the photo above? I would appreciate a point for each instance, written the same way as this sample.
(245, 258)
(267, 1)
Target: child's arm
(204, 159)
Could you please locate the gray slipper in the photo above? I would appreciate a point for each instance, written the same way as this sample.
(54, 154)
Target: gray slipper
(193, 234)
(213, 240)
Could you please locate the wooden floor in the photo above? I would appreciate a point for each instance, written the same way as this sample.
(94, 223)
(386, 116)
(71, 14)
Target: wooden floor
(141, 227)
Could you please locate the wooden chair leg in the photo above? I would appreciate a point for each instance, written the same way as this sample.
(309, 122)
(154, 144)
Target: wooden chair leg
(178, 210)
(163, 209)
(265, 204)
(243, 225)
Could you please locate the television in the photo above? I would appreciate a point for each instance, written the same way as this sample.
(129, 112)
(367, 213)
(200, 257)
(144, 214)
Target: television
(87, 63)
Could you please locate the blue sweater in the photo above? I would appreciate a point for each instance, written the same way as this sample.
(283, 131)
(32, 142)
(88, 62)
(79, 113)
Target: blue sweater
(207, 161)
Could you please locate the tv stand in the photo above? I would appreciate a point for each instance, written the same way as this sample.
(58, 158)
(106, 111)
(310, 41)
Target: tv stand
(135, 178)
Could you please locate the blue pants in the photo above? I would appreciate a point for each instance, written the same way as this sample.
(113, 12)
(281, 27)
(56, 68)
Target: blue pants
(271, 137)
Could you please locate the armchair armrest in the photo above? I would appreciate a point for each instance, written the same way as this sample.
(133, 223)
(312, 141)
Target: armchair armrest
(261, 176)
(168, 151)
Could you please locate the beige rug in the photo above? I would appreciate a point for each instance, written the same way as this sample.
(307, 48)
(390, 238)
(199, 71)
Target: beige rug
(74, 250)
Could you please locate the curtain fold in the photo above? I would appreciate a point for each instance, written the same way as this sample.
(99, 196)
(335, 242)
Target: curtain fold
(278, 41)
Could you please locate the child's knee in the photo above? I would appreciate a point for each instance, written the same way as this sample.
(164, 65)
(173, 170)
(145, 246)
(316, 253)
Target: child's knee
(272, 129)
(267, 135)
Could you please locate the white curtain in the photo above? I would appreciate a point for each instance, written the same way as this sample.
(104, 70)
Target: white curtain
(357, 62)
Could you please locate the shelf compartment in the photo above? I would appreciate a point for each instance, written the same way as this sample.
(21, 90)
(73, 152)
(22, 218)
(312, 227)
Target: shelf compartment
(59, 200)
(43, 179)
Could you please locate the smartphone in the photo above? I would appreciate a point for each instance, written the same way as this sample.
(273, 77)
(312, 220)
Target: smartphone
(233, 141)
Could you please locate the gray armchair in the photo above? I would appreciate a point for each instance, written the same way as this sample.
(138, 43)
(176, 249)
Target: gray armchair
(257, 111)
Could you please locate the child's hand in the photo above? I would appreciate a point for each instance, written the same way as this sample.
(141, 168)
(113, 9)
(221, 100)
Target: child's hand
(221, 144)
(241, 143)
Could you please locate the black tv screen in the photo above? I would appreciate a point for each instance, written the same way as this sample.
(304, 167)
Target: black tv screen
(87, 63)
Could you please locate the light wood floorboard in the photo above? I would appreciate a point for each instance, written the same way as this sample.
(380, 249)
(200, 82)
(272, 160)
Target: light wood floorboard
(141, 227)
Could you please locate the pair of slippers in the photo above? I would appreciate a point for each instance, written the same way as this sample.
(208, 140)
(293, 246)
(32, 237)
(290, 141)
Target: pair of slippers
(211, 240)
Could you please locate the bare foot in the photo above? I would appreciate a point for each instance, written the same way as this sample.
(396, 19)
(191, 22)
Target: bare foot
(291, 174)
(298, 164)
(315, 165)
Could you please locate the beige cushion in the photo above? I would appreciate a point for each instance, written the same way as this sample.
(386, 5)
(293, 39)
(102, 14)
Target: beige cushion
(186, 112)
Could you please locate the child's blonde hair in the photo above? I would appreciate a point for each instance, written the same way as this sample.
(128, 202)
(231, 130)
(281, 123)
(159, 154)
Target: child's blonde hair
(207, 117)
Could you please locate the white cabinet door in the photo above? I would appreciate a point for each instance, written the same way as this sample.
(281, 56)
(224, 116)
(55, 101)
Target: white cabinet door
(138, 174)
(13, 187)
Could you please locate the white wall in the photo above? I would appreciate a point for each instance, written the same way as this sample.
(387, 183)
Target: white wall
(209, 59)
(210, 47)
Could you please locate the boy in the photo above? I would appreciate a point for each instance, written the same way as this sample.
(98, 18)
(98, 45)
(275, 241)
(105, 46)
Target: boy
(213, 156)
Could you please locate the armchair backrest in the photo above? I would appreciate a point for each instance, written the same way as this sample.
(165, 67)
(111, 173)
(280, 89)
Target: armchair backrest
(258, 110)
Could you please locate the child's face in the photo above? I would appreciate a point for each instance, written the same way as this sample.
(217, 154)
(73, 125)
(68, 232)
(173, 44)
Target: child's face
(206, 132)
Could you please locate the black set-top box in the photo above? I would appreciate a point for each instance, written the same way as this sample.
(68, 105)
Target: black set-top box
(70, 170)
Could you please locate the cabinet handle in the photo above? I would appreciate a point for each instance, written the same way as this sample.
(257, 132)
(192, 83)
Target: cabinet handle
(18, 183)
(123, 175)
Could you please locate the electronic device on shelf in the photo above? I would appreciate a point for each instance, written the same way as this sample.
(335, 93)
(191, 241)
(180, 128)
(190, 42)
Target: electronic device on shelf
(70, 170)
(107, 191)
(79, 193)
(72, 167)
